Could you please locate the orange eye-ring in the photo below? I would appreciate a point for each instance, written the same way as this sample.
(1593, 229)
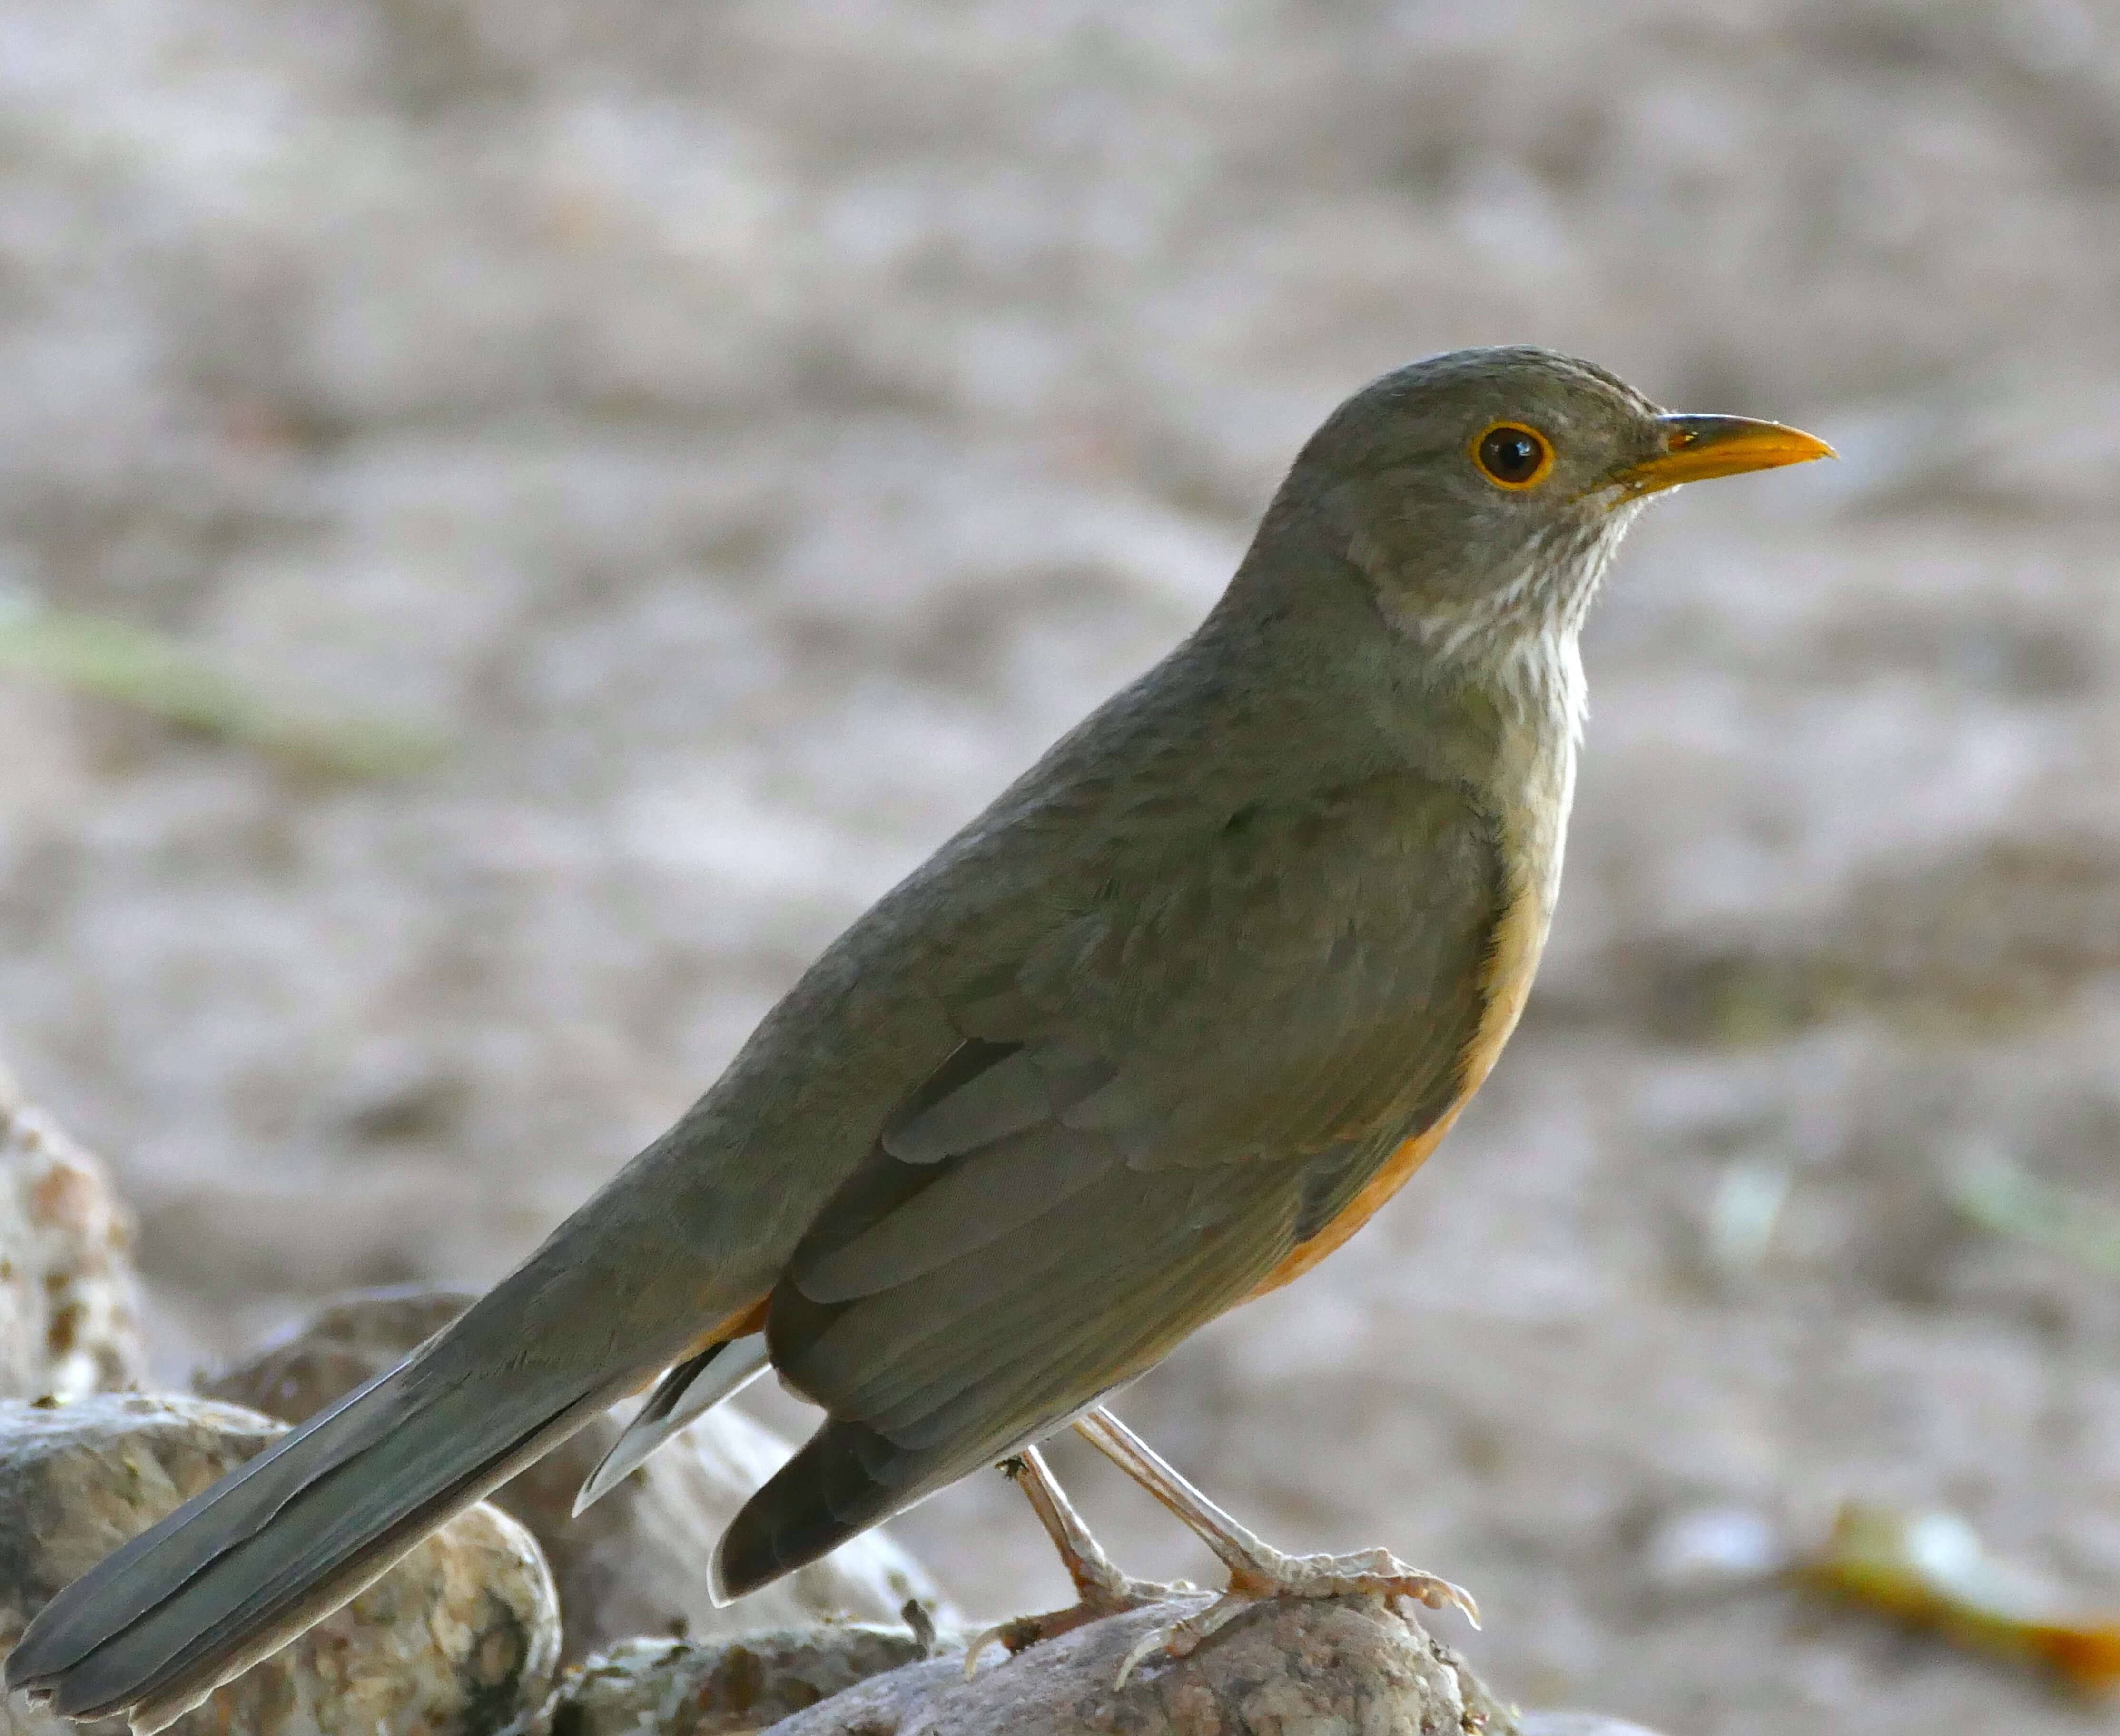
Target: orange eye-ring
(1512, 456)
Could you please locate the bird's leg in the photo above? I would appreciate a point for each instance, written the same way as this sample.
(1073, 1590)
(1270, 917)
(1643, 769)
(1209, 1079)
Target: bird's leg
(1100, 1589)
(1257, 1570)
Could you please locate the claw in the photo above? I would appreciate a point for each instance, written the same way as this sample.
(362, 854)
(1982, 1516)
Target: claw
(1447, 1596)
(1181, 1639)
(1000, 1633)
(1141, 1649)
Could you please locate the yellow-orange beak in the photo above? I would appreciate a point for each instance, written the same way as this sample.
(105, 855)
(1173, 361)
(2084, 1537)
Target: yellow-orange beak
(1695, 447)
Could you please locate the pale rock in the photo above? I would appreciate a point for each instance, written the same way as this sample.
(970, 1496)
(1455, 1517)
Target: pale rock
(1347, 1667)
(1339, 1665)
(69, 1302)
(678, 1687)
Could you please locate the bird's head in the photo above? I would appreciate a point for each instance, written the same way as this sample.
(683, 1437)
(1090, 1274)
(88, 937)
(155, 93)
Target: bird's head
(1482, 492)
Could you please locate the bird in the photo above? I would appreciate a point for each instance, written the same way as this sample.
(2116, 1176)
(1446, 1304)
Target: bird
(1150, 1036)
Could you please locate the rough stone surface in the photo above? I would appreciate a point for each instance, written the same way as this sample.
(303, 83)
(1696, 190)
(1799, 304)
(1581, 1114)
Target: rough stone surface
(1345, 1666)
(677, 1687)
(69, 1302)
(459, 1638)
(636, 1562)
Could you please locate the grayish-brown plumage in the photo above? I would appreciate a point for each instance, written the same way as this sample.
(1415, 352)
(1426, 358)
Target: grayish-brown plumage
(1150, 1036)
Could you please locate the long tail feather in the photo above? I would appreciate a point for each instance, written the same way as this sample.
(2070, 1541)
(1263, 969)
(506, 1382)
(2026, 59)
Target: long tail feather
(278, 1544)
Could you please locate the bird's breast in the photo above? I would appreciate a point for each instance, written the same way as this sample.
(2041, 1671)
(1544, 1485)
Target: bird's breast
(1531, 851)
(1531, 819)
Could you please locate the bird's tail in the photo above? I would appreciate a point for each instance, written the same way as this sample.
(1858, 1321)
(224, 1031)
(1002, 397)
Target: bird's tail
(276, 1545)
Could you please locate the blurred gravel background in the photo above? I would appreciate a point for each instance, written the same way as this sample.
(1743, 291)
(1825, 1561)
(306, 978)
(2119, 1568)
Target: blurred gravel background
(749, 432)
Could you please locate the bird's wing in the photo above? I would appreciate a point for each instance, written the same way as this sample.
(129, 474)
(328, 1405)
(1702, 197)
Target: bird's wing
(1153, 1102)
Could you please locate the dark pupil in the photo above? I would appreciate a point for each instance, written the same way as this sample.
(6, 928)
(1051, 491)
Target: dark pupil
(1511, 455)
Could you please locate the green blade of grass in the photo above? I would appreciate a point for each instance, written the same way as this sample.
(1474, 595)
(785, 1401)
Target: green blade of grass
(137, 667)
(1999, 1196)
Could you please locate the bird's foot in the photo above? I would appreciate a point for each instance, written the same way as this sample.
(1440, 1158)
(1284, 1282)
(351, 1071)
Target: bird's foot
(1100, 1589)
(1019, 1633)
(1265, 1573)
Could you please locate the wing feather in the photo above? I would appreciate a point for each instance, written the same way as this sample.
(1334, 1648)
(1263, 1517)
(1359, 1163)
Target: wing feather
(1150, 1105)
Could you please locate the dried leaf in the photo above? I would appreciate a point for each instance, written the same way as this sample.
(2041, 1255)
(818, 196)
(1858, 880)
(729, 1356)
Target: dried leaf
(1930, 1569)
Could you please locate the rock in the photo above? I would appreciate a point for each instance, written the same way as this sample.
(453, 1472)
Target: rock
(457, 1640)
(340, 1344)
(1306, 1667)
(677, 1687)
(69, 1302)
(1345, 1665)
(636, 1562)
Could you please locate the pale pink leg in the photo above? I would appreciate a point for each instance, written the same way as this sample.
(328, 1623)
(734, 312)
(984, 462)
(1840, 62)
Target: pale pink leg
(1100, 1589)
(1257, 1570)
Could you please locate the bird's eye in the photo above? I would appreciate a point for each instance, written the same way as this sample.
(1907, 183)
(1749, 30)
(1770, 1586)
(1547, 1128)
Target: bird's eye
(1513, 455)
